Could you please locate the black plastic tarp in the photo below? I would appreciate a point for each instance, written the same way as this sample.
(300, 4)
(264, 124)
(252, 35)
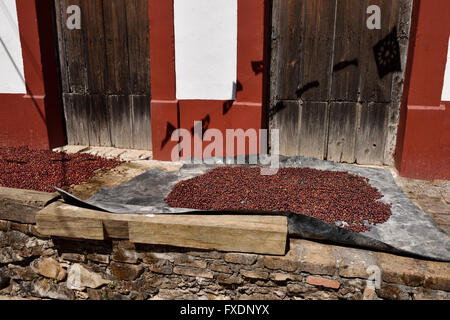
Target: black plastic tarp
(408, 231)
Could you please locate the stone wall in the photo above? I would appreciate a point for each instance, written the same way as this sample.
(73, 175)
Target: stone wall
(35, 267)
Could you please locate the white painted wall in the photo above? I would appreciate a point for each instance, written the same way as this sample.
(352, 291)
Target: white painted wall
(446, 89)
(11, 62)
(205, 49)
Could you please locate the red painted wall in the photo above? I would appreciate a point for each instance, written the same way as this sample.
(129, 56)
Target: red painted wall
(245, 112)
(423, 142)
(34, 119)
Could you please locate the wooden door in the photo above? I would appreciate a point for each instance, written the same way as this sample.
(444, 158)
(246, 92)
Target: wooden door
(105, 72)
(332, 96)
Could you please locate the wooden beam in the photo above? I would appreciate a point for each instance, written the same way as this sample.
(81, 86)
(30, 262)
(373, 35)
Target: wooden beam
(253, 234)
(246, 233)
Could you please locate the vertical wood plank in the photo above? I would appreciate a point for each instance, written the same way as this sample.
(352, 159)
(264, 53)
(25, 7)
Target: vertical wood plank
(141, 122)
(116, 46)
(371, 136)
(76, 111)
(120, 121)
(349, 26)
(318, 48)
(98, 121)
(313, 129)
(287, 120)
(95, 45)
(138, 46)
(59, 20)
(288, 42)
(373, 88)
(75, 52)
(342, 131)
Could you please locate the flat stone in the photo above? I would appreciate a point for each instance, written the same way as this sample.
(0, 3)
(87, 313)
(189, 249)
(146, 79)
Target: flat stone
(73, 257)
(162, 267)
(369, 294)
(241, 258)
(290, 262)
(323, 282)
(184, 260)
(392, 292)
(71, 149)
(126, 272)
(229, 280)
(46, 288)
(100, 258)
(283, 277)
(400, 270)
(255, 274)
(80, 278)
(437, 275)
(50, 268)
(353, 263)
(429, 294)
(22, 273)
(317, 258)
(124, 251)
(193, 272)
(220, 267)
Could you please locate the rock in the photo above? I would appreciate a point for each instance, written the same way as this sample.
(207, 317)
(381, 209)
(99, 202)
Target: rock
(46, 288)
(22, 273)
(100, 258)
(193, 272)
(73, 257)
(161, 266)
(51, 269)
(124, 251)
(227, 279)
(126, 272)
(255, 274)
(80, 278)
(241, 258)
(322, 282)
(392, 292)
(4, 280)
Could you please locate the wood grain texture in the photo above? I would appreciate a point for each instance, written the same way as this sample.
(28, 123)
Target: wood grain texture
(371, 135)
(342, 132)
(252, 234)
(77, 121)
(374, 89)
(350, 26)
(287, 121)
(317, 58)
(313, 130)
(106, 66)
(246, 233)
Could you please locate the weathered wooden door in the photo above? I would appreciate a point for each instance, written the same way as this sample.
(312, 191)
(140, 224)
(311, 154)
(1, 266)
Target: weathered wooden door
(336, 85)
(105, 71)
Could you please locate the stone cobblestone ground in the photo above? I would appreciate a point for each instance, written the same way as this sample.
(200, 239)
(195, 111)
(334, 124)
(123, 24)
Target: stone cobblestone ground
(433, 197)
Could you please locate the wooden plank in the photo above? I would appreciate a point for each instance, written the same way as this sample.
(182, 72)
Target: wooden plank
(59, 21)
(313, 129)
(76, 113)
(75, 52)
(246, 233)
(138, 46)
(141, 123)
(95, 45)
(342, 131)
(346, 65)
(120, 121)
(288, 43)
(98, 121)
(287, 120)
(317, 61)
(115, 21)
(374, 89)
(252, 234)
(71, 222)
(371, 136)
